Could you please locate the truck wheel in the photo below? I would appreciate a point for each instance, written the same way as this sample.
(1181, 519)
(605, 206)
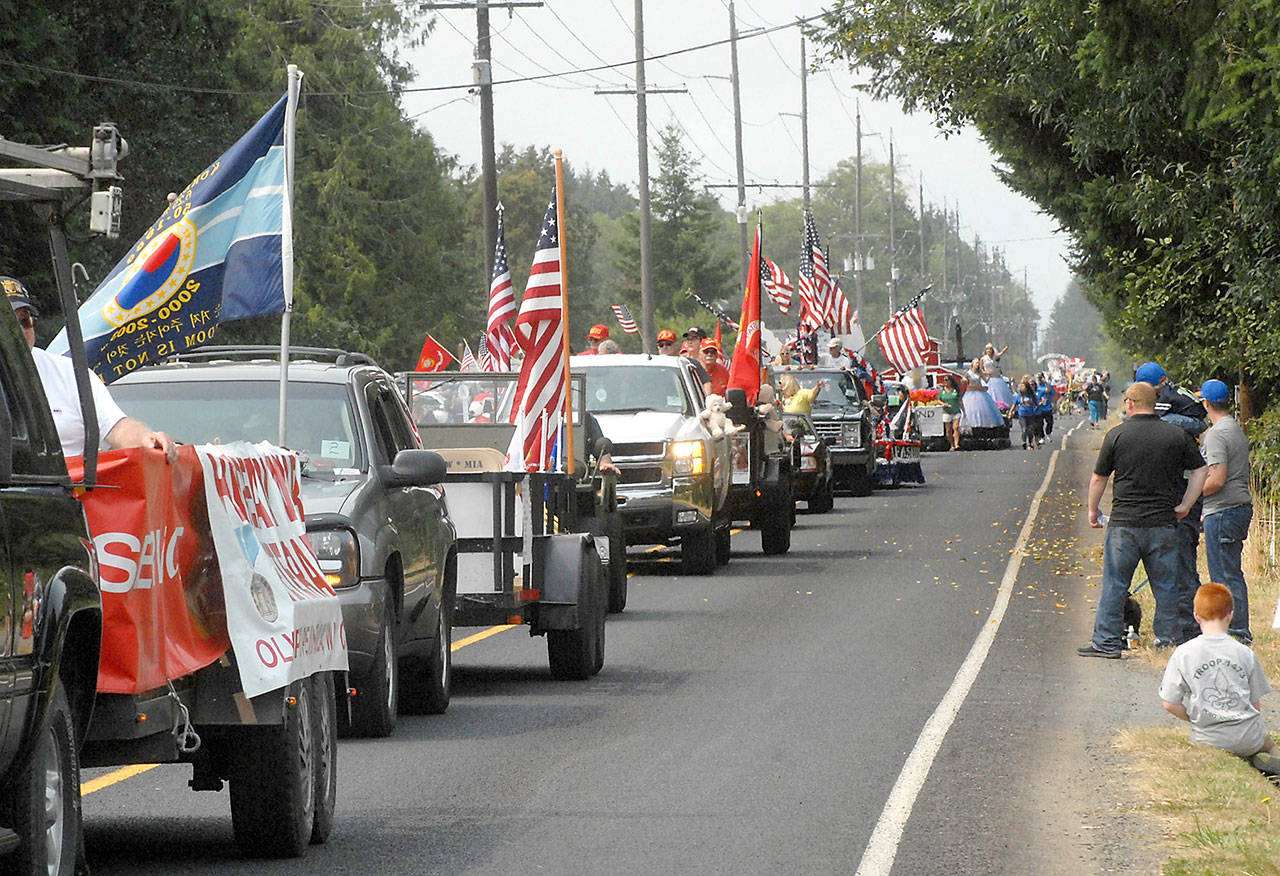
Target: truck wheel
(863, 482)
(273, 792)
(324, 736)
(724, 536)
(373, 713)
(823, 502)
(617, 568)
(42, 803)
(698, 552)
(574, 655)
(598, 615)
(437, 680)
(775, 527)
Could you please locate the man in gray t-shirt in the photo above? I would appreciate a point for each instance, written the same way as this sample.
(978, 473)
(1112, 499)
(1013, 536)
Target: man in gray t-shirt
(1228, 507)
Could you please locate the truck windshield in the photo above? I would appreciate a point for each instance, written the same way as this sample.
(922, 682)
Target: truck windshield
(840, 389)
(625, 389)
(320, 421)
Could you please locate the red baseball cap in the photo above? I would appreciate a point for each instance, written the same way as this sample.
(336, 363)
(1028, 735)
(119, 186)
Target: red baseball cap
(666, 335)
(598, 332)
(710, 344)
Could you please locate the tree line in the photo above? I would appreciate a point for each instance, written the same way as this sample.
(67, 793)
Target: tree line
(388, 227)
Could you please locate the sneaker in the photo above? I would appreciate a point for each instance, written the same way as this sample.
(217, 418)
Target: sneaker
(1164, 645)
(1243, 638)
(1090, 651)
(1266, 762)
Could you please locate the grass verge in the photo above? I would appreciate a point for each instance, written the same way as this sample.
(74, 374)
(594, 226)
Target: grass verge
(1216, 813)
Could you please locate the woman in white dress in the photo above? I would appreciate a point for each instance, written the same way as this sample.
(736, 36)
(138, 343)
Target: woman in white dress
(980, 411)
(999, 389)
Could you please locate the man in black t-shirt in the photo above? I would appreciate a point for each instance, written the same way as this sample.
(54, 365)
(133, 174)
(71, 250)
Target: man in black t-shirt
(1147, 458)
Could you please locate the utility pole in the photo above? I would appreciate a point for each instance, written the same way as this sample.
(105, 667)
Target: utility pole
(858, 261)
(945, 290)
(737, 142)
(922, 260)
(893, 236)
(642, 147)
(482, 75)
(804, 121)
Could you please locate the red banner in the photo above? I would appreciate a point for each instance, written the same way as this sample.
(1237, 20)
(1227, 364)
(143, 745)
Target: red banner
(163, 613)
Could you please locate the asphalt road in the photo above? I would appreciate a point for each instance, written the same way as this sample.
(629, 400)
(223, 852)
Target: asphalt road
(750, 722)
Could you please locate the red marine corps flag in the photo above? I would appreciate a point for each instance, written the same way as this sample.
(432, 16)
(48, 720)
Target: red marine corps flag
(744, 372)
(433, 356)
(539, 330)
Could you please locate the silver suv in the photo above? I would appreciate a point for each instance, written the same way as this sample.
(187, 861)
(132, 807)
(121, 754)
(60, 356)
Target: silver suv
(375, 514)
(674, 476)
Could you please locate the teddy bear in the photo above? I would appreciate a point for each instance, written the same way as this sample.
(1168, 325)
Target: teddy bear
(715, 414)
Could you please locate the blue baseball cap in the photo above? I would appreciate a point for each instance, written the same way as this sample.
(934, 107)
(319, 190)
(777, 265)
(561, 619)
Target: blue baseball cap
(1149, 372)
(1215, 391)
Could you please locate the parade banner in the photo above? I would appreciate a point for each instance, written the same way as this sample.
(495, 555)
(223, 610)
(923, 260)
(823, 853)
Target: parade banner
(162, 605)
(283, 618)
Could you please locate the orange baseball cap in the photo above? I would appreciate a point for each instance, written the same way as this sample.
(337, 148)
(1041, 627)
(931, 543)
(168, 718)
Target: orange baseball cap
(710, 344)
(666, 335)
(598, 332)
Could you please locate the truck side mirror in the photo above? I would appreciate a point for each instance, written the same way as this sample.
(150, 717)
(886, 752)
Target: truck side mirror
(737, 399)
(414, 468)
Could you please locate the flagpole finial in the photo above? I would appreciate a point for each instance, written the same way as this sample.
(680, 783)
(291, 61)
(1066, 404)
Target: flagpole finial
(498, 209)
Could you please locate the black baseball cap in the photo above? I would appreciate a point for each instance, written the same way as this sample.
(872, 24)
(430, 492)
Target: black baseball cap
(17, 295)
(695, 330)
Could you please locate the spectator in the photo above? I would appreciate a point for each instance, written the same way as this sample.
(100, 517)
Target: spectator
(1173, 403)
(693, 339)
(717, 375)
(1216, 685)
(1147, 458)
(58, 377)
(1097, 397)
(1228, 507)
(608, 347)
(667, 343)
(597, 335)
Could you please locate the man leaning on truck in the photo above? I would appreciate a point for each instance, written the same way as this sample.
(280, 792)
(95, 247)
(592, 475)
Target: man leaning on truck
(59, 381)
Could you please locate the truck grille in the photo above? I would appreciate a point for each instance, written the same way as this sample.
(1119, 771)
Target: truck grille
(828, 429)
(830, 433)
(639, 448)
(639, 474)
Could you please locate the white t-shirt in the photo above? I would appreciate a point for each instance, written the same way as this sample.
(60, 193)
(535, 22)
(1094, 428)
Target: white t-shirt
(1217, 680)
(59, 379)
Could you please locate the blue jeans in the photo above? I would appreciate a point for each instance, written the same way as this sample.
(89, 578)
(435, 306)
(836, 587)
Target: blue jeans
(1224, 535)
(1095, 411)
(1188, 577)
(1123, 548)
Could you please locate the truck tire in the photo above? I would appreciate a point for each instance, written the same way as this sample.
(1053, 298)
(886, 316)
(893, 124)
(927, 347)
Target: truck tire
(377, 700)
(42, 802)
(775, 526)
(617, 567)
(273, 792)
(863, 482)
(698, 552)
(324, 742)
(724, 547)
(574, 655)
(823, 502)
(437, 679)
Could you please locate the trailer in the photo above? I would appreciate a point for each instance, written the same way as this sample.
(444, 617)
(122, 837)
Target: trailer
(540, 549)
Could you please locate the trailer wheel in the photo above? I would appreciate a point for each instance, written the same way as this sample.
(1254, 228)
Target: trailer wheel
(324, 734)
(377, 700)
(579, 654)
(724, 552)
(273, 792)
(42, 802)
(698, 552)
(617, 566)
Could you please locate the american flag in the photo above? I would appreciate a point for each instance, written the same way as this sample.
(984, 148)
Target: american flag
(843, 316)
(496, 355)
(483, 358)
(904, 340)
(468, 359)
(776, 283)
(814, 283)
(625, 319)
(539, 330)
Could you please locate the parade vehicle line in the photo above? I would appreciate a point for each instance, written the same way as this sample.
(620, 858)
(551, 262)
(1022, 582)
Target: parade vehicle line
(882, 848)
(111, 778)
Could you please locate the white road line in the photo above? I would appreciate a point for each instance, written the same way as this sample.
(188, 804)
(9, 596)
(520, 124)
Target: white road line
(882, 849)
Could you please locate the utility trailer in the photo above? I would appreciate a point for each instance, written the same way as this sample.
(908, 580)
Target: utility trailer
(278, 749)
(543, 549)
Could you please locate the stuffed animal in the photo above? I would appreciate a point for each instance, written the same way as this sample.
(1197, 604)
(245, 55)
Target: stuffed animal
(715, 414)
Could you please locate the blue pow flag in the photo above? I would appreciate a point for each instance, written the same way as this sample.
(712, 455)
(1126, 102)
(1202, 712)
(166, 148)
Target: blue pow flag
(213, 256)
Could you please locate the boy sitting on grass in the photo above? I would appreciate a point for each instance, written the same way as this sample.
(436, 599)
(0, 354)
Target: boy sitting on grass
(1216, 684)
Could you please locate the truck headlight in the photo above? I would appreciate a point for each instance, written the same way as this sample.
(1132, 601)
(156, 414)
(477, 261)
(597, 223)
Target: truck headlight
(338, 555)
(689, 457)
(851, 434)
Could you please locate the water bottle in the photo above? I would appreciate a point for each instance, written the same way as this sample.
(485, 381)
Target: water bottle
(1131, 638)
(1103, 519)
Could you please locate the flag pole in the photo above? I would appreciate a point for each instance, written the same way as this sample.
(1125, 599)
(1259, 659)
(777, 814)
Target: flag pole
(564, 316)
(286, 244)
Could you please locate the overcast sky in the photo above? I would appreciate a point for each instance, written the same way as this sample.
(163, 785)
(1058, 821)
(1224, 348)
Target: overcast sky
(598, 131)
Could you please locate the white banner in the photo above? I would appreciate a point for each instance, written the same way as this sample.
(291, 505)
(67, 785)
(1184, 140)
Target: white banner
(283, 619)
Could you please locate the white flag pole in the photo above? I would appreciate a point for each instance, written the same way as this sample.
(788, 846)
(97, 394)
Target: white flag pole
(286, 243)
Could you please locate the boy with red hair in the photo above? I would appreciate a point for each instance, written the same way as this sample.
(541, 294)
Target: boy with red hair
(1216, 684)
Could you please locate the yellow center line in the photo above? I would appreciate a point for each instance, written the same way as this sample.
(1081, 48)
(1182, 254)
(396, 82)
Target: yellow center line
(111, 778)
(117, 776)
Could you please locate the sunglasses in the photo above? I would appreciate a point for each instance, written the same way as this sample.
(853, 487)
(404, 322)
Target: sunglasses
(666, 343)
